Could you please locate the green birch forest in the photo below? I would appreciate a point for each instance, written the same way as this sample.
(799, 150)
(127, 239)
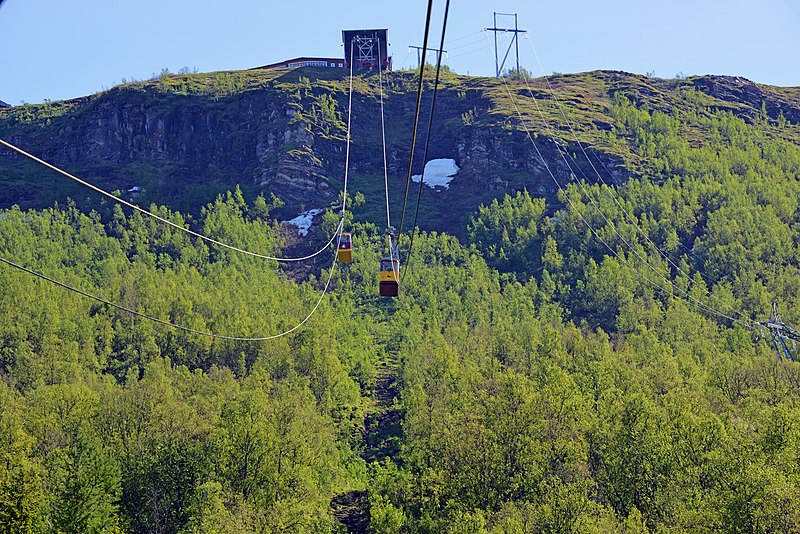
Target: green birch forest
(545, 368)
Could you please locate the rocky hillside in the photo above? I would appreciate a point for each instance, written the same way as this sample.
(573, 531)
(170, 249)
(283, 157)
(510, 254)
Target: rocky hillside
(181, 139)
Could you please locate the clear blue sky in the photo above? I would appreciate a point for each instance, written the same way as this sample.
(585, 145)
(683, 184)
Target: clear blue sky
(57, 49)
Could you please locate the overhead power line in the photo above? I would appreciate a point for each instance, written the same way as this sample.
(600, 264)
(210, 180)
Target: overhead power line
(689, 300)
(463, 37)
(383, 139)
(608, 188)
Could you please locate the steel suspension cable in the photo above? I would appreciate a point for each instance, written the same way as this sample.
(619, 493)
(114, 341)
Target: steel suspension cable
(385, 163)
(200, 236)
(416, 113)
(427, 140)
(347, 147)
(383, 138)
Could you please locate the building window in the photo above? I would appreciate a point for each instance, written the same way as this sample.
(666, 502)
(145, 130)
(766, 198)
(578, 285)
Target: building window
(309, 64)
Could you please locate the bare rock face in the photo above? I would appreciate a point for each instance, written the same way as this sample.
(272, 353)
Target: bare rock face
(488, 157)
(286, 137)
(251, 139)
(122, 131)
(752, 95)
(300, 177)
(287, 164)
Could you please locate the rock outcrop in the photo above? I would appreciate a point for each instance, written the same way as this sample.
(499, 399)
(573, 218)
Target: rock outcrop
(284, 135)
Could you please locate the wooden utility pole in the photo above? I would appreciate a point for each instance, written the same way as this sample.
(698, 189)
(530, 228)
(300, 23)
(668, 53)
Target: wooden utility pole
(514, 41)
(419, 58)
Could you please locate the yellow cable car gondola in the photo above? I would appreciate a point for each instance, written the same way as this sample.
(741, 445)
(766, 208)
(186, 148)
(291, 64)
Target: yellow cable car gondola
(389, 283)
(344, 252)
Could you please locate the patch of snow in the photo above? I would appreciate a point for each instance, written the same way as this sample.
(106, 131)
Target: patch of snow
(438, 173)
(134, 189)
(304, 220)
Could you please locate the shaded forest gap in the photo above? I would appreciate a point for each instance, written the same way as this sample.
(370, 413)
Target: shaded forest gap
(382, 437)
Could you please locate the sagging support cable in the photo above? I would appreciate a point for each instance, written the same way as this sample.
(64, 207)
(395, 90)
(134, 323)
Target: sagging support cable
(170, 223)
(167, 323)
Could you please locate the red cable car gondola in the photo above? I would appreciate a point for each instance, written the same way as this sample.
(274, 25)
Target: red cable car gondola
(389, 283)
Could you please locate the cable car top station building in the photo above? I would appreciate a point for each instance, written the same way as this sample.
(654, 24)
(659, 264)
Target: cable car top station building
(367, 49)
